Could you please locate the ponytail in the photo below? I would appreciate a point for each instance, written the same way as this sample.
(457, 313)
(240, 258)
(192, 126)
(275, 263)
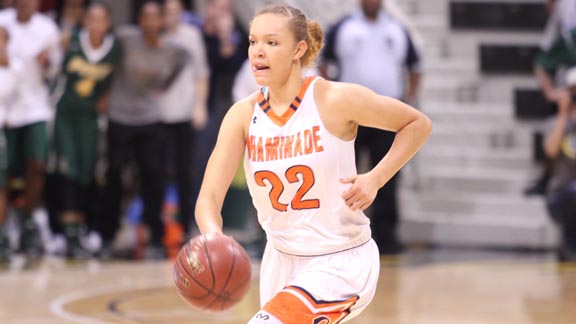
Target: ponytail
(315, 43)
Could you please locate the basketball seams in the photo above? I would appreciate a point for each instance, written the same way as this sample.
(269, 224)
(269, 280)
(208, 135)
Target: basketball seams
(188, 251)
(241, 254)
(219, 294)
(238, 266)
(209, 292)
(244, 284)
(238, 287)
(190, 275)
(207, 253)
(249, 277)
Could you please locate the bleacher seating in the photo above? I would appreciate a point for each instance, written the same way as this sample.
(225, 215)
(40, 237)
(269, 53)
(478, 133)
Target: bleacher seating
(530, 104)
(498, 15)
(499, 59)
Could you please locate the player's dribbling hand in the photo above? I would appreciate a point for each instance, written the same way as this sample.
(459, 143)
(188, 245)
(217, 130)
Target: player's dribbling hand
(362, 192)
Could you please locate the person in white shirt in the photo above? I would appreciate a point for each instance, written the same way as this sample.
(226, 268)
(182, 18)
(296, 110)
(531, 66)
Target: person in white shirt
(34, 41)
(374, 49)
(561, 21)
(184, 106)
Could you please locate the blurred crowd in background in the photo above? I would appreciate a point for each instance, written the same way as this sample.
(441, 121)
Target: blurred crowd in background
(97, 114)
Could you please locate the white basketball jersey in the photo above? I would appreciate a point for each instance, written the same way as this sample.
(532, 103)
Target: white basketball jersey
(293, 167)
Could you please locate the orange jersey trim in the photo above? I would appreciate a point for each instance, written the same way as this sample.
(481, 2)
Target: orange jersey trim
(294, 305)
(282, 120)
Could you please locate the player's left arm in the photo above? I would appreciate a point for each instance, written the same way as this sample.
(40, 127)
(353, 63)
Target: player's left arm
(361, 106)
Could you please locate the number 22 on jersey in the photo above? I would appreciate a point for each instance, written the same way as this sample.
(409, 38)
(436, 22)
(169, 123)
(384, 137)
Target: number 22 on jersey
(291, 175)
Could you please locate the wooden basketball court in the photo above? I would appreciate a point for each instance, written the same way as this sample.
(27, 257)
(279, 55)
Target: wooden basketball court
(420, 287)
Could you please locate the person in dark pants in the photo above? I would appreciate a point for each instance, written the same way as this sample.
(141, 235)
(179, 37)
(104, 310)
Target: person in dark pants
(148, 65)
(226, 45)
(88, 66)
(380, 65)
(561, 20)
(226, 49)
(141, 144)
(184, 111)
(560, 147)
(28, 113)
(8, 77)
(385, 208)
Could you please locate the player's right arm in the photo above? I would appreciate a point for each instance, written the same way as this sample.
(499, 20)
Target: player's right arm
(222, 166)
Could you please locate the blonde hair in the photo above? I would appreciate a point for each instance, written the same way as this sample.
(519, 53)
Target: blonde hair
(302, 29)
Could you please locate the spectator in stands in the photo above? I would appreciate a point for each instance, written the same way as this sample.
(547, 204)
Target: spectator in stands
(557, 53)
(373, 49)
(148, 65)
(561, 20)
(560, 146)
(68, 15)
(88, 66)
(8, 79)
(550, 67)
(35, 40)
(183, 107)
(227, 48)
(190, 16)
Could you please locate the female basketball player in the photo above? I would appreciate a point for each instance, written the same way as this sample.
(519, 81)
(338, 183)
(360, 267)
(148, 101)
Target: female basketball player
(297, 139)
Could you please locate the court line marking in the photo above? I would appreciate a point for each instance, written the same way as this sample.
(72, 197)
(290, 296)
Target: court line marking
(113, 308)
(139, 316)
(57, 305)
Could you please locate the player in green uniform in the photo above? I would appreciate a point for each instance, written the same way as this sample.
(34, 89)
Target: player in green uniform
(88, 65)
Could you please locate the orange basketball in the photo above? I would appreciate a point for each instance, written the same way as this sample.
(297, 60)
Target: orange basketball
(212, 272)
